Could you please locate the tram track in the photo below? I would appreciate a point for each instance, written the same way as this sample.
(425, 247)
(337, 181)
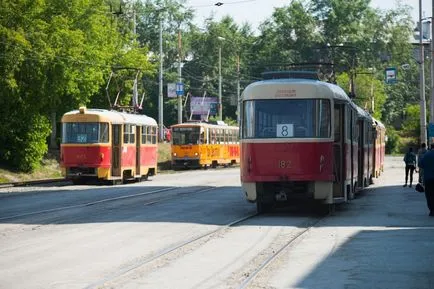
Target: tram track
(107, 200)
(164, 252)
(257, 270)
(112, 280)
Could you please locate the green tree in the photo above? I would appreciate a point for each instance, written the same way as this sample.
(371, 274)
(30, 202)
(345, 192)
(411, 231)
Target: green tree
(202, 70)
(54, 57)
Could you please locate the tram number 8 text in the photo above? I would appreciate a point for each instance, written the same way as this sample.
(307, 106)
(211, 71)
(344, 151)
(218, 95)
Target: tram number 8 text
(284, 164)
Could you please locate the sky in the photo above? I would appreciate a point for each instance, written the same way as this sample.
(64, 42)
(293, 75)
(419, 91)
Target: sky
(256, 11)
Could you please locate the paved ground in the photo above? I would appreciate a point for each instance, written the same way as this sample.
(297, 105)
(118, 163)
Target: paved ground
(383, 239)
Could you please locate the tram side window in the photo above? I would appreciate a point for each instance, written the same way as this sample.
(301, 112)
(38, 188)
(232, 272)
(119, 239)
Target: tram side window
(154, 134)
(324, 119)
(348, 124)
(129, 133)
(337, 124)
(143, 136)
(148, 135)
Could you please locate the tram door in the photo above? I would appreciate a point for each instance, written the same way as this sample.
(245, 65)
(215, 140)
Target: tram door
(338, 151)
(116, 150)
(361, 157)
(352, 137)
(138, 138)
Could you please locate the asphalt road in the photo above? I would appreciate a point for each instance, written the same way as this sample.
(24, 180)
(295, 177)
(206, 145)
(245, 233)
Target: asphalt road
(174, 232)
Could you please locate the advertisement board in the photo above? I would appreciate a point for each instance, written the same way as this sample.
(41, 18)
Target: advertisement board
(201, 105)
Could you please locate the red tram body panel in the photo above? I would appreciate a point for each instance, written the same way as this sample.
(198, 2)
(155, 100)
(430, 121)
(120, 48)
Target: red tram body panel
(304, 139)
(283, 161)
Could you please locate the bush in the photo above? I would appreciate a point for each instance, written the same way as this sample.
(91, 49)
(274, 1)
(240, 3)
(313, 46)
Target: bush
(24, 147)
(392, 143)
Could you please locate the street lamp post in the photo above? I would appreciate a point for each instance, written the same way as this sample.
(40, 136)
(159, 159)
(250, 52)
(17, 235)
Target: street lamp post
(160, 93)
(431, 111)
(220, 80)
(422, 81)
(180, 76)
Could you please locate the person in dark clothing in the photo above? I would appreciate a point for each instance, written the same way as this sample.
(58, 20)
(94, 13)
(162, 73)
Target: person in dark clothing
(427, 164)
(410, 165)
(420, 154)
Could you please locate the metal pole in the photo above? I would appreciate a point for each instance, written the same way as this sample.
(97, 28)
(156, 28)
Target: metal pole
(180, 76)
(238, 89)
(160, 94)
(431, 111)
(220, 85)
(422, 81)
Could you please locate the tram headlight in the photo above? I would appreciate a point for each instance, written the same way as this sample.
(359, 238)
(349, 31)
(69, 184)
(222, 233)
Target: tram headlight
(196, 154)
(174, 154)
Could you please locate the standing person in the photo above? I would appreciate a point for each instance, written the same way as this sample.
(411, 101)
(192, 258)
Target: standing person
(420, 154)
(410, 165)
(427, 164)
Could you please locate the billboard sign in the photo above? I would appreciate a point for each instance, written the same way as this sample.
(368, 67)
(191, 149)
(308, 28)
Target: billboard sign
(201, 105)
(391, 75)
(171, 90)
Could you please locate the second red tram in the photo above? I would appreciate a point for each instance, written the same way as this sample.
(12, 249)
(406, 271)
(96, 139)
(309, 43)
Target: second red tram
(108, 145)
(303, 139)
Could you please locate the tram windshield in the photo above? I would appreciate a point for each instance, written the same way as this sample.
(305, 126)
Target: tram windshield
(85, 132)
(186, 135)
(287, 118)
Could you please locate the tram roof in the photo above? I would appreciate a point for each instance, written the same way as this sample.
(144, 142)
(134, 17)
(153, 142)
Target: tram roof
(361, 113)
(290, 86)
(112, 116)
(204, 124)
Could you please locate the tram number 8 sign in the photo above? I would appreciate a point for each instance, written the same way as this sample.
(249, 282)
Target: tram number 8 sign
(285, 130)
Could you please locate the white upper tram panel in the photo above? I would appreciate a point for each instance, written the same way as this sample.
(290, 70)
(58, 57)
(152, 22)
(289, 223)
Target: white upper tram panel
(294, 88)
(116, 117)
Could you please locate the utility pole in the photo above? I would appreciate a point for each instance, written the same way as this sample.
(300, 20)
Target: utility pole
(238, 89)
(180, 75)
(220, 84)
(422, 81)
(160, 94)
(220, 78)
(431, 111)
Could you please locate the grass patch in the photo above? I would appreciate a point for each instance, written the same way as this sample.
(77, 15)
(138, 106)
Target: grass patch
(49, 169)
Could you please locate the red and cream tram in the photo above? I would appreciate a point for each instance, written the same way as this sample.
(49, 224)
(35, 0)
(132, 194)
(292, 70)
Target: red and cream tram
(108, 146)
(301, 139)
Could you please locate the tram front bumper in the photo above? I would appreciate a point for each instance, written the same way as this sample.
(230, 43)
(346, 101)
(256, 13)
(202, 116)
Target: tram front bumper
(186, 163)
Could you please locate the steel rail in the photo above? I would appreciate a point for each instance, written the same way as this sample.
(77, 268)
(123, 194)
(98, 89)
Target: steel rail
(165, 252)
(264, 264)
(107, 200)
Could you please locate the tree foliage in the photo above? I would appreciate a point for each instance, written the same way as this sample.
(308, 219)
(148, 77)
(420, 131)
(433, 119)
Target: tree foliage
(60, 54)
